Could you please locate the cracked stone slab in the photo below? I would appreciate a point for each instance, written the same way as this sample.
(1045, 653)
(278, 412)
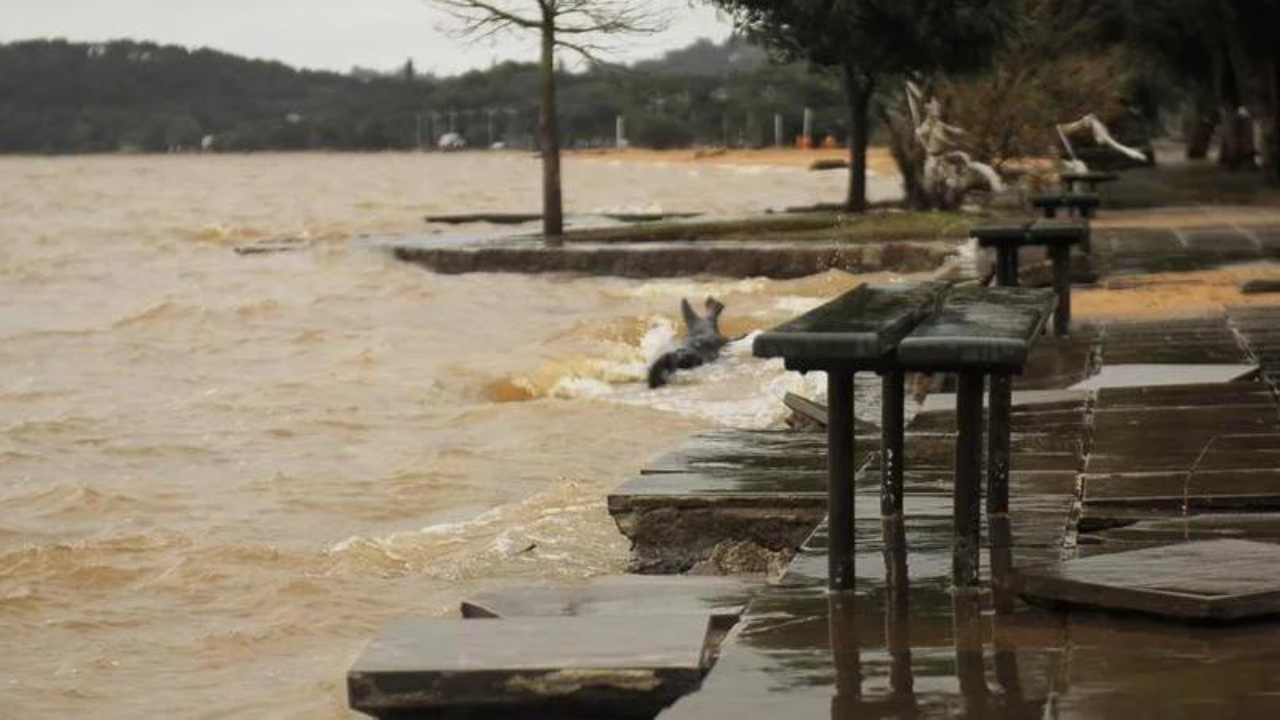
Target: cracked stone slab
(620, 666)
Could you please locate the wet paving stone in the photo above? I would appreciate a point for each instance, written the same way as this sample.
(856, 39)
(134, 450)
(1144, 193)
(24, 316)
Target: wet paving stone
(1148, 375)
(907, 649)
(623, 666)
(1256, 526)
(721, 598)
(1199, 581)
(1221, 245)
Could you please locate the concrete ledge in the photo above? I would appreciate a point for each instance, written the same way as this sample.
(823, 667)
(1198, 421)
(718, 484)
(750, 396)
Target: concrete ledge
(779, 260)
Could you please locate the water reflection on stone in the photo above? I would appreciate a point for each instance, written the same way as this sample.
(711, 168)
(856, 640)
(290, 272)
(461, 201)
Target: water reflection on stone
(970, 628)
(895, 648)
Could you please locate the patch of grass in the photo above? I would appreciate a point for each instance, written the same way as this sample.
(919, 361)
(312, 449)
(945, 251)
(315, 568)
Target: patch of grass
(878, 226)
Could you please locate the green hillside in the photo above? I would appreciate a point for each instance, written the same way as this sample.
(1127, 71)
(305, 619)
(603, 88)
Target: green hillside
(62, 97)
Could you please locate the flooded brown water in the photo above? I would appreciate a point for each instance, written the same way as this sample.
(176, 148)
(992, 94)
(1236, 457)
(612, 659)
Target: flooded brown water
(220, 474)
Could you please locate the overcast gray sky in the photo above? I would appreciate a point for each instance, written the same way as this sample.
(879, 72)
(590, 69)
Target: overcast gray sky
(328, 34)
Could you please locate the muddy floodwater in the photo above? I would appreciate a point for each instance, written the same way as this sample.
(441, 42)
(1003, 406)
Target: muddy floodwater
(220, 474)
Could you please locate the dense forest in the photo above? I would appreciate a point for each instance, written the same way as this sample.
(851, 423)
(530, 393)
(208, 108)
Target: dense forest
(63, 97)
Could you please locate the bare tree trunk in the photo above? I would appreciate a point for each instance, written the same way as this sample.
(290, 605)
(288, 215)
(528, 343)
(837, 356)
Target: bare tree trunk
(549, 137)
(907, 155)
(1202, 127)
(857, 89)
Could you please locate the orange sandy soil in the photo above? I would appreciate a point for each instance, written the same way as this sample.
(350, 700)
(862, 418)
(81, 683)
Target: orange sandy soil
(878, 159)
(1206, 292)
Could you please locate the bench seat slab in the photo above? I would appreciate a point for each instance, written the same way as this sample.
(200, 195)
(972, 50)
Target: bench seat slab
(978, 329)
(864, 324)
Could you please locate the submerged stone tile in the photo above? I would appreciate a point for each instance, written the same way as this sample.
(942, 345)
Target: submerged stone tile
(533, 666)
(920, 652)
(721, 598)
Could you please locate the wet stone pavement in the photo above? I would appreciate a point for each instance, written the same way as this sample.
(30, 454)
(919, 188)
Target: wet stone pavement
(1096, 471)
(1129, 461)
(1125, 249)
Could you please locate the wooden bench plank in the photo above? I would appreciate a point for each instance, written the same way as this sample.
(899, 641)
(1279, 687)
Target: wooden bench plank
(862, 325)
(978, 329)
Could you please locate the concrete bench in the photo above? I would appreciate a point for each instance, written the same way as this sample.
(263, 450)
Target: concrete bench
(1083, 205)
(1057, 236)
(915, 327)
(1086, 181)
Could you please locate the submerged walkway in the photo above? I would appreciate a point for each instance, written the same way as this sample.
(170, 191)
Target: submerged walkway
(1098, 470)
(1177, 239)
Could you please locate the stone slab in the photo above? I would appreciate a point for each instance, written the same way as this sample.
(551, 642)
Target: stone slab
(1031, 399)
(978, 329)
(1141, 375)
(721, 598)
(1212, 580)
(1087, 201)
(1253, 526)
(746, 485)
(729, 258)
(1036, 232)
(864, 324)
(1187, 395)
(598, 663)
(733, 451)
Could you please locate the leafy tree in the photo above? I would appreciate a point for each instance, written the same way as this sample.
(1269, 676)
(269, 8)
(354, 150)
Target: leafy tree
(870, 42)
(1225, 52)
(1063, 62)
(573, 25)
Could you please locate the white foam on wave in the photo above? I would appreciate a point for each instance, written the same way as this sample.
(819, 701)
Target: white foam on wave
(669, 288)
(540, 530)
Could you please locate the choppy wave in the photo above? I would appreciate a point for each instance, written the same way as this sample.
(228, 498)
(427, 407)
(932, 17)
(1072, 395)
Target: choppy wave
(737, 390)
(185, 432)
(563, 530)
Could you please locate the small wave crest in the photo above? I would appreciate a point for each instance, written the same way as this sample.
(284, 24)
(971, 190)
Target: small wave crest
(158, 312)
(563, 531)
(737, 390)
(622, 359)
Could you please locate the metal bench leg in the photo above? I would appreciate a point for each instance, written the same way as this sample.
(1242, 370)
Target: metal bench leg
(1061, 256)
(897, 609)
(999, 410)
(968, 633)
(968, 500)
(892, 420)
(842, 636)
(840, 479)
(1000, 537)
(1007, 267)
